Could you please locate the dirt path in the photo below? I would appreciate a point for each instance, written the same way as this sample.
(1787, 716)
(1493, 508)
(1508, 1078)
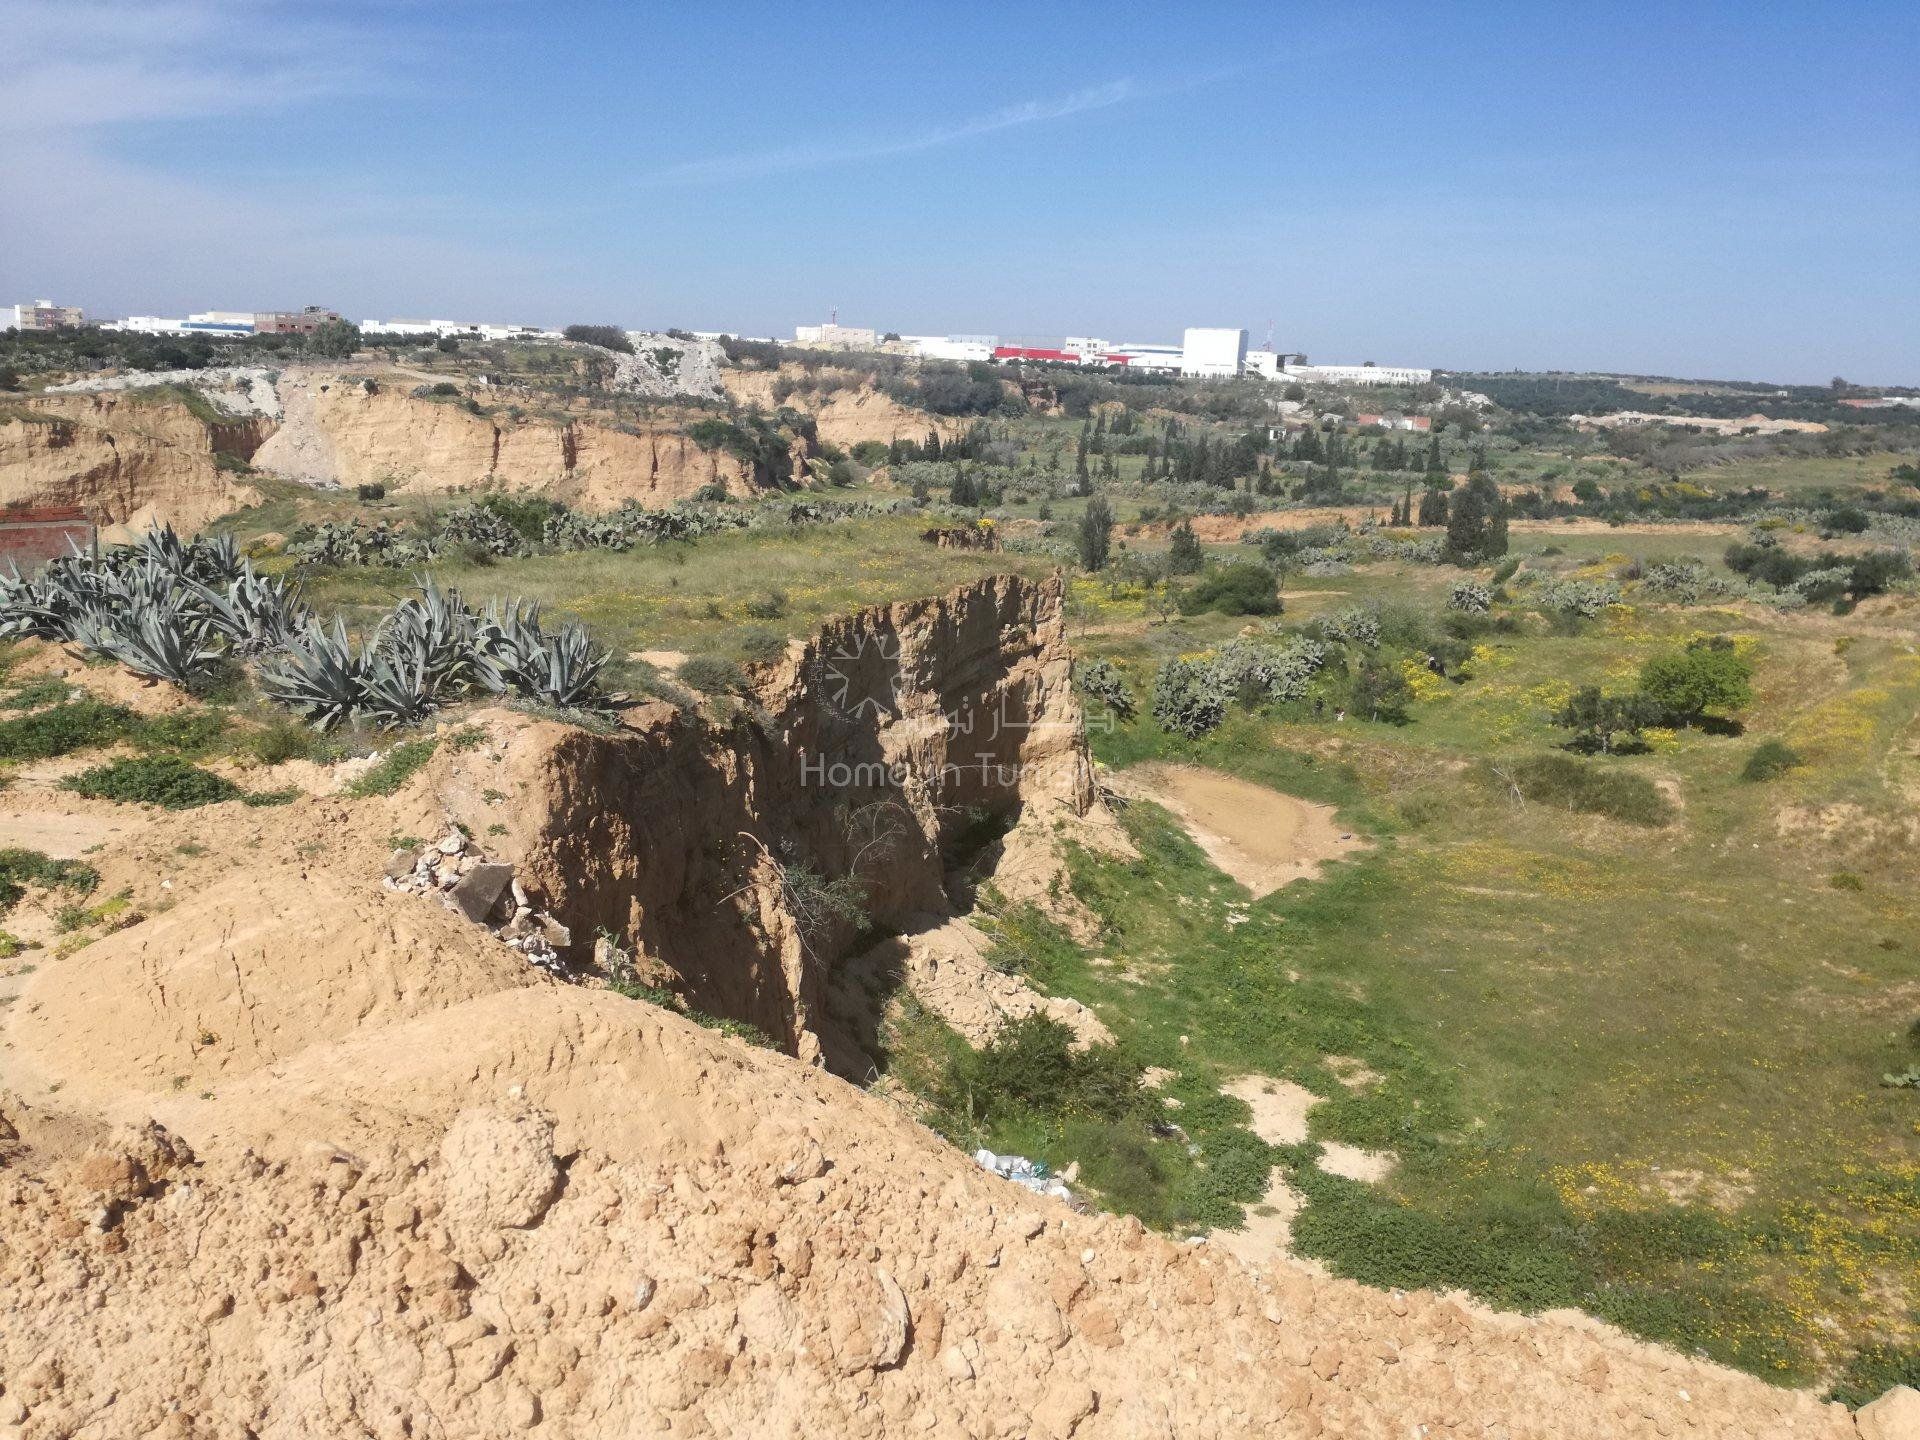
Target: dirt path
(1258, 836)
(62, 836)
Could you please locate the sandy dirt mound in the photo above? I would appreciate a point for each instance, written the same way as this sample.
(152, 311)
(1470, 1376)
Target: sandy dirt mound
(61, 834)
(453, 1226)
(944, 962)
(1258, 836)
(236, 977)
(38, 659)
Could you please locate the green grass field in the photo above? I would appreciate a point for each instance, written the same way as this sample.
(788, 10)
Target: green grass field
(1634, 1069)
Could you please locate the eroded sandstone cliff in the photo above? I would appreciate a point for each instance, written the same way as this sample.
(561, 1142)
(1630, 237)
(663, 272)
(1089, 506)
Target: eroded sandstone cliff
(878, 747)
(337, 429)
(132, 459)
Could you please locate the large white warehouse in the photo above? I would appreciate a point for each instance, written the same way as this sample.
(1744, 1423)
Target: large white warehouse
(1213, 352)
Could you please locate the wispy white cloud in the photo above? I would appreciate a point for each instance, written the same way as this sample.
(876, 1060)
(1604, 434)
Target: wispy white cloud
(85, 65)
(823, 154)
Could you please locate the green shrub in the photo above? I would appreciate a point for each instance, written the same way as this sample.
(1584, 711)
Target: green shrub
(395, 768)
(1242, 588)
(37, 693)
(712, 675)
(163, 780)
(1708, 675)
(1873, 1370)
(191, 733)
(282, 740)
(77, 725)
(1606, 790)
(770, 605)
(1770, 760)
(1846, 880)
(21, 868)
(1031, 1066)
(760, 646)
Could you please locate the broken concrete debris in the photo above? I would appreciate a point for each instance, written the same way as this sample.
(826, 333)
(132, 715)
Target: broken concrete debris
(482, 890)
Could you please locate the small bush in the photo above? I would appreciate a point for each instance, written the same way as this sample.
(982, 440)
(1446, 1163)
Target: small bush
(712, 675)
(1031, 1067)
(191, 734)
(1873, 1370)
(1770, 760)
(1242, 588)
(1846, 880)
(283, 740)
(78, 725)
(374, 491)
(395, 768)
(163, 780)
(37, 693)
(760, 646)
(1571, 784)
(21, 868)
(770, 605)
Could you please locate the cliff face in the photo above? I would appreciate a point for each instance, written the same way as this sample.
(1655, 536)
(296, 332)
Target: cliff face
(884, 742)
(125, 459)
(335, 431)
(845, 417)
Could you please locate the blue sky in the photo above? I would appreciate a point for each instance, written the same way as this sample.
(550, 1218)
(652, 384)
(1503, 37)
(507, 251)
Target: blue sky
(1697, 189)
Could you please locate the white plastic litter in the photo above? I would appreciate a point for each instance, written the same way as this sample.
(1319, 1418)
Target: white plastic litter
(1029, 1174)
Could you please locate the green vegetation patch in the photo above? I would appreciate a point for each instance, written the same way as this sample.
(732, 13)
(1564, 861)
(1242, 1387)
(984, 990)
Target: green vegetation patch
(75, 725)
(395, 768)
(1592, 789)
(21, 868)
(163, 780)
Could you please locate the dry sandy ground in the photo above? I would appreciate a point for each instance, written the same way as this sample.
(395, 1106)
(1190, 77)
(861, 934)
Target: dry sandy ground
(1258, 836)
(64, 837)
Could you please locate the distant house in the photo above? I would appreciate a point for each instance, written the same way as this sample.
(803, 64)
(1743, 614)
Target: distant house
(32, 535)
(1393, 421)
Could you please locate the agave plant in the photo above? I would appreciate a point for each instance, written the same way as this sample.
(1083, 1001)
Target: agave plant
(258, 613)
(214, 557)
(321, 674)
(400, 689)
(158, 634)
(35, 605)
(436, 633)
(564, 670)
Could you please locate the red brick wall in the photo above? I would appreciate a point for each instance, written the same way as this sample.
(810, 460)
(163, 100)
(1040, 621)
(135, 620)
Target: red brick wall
(29, 544)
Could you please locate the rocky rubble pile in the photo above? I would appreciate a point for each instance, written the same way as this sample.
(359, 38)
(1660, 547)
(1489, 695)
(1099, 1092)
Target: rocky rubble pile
(484, 891)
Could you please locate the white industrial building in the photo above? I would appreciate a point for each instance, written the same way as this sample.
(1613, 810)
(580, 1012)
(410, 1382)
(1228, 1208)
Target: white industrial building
(460, 329)
(835, 336)
(1212, 353)
(1147, 356)
(228, 323)
(1265, 363)
(965, 348)
(1354, 375)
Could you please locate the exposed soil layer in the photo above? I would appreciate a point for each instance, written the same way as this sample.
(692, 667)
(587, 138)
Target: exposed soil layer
(1258, 836)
